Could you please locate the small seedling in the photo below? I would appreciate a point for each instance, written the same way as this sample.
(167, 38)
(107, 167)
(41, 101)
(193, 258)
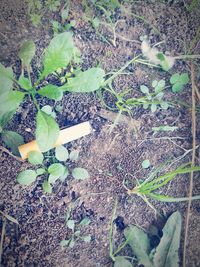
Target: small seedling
(164, 128)
(76, 232)
(178, 81)
(51, 172)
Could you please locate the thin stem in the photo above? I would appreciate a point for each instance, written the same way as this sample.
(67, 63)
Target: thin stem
(111, 232)
(187, 57)
(2, 239)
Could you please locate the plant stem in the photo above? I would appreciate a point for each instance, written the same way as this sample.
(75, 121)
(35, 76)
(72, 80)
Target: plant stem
(187, 57)
(2, 239)
(111, 232)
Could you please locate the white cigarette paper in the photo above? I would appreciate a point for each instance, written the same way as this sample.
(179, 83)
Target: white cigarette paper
(65, 136)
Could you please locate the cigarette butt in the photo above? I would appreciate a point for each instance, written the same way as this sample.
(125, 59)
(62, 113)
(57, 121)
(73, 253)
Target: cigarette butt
(65, 136)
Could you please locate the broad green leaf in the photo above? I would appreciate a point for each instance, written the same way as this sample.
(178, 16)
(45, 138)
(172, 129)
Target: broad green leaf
(177, 87)
(35, 157)
(184, 78)
(166, 254)
(51, 91)
(65, 174)
(121, 261)
(61, 153)
(87, 81)
(144, 89)
(139, 242)
(77, 233)
(12, 140)
(4, 118)
(74, 154)
(174, 78)
(146, 163)
(56, 169)
(47, 131)
(87, 238)
(27, 52)
(47, 187)
(80, 173)
(10, 101)
(71, 224)
(24, 82)
(6, 79)
(145, 106)
(164, 105)
(40, 171)
(47, 109)
(26, 177)
(59, 53)
(154, 83)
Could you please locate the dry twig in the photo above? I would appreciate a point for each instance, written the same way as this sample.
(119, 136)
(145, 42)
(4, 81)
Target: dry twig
(193, 163)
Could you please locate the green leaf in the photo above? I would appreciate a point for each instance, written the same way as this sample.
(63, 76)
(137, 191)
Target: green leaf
(121, 261)
(146, 163)
(27, 52)
(74, 154)
(6, 79)
(47, 187)
(71, 224)
(166, 254)
(95, 23)
(64, 14)
(65, 174)
(59, 53)
(61, 153)
(24, 82)
(184, 78)
(87, 238)
(72, 243)
(174, 78)
(80, 173)
(144, 89)
(47, 131)
(10, 101)
(4, 118)
(153, 108)
(47, 109)
(55, 170)
(164, 105)
(85, 221)
(35, 157)
(51, 91)
(65, 243)
(154, 83)
(26, 177)
(177, 87)
(87, 81)
(139, 242)
(40, 171)
(164, 128)
(12, 140)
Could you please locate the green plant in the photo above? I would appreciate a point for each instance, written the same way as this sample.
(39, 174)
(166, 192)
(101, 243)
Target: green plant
(75, 227)
(51, 169)
(146, 188)
(59, 54)
(164, 254)
(178, 81)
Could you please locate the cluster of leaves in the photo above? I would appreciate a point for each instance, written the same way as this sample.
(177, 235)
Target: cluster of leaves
(76, 231)
(52, 172)
(59, 54)
(165, 254)
(37, 9)
(178, 81)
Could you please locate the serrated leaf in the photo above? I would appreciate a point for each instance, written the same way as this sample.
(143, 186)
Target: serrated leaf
(27, 52)
(46, 186)
(144, 89)
(71, 224)
(61, 153)
(10, 101)
(40, 171)
(24, 83)
(47, 131)
(74, 154)
(26, 177)
(51, 91)
(139, 242)
(80, 174)
(121, 261)
(35, 157)
(6, 79)
(59, 53)
(166, 254)
(87, 81)
(12, 140)
(146, 163)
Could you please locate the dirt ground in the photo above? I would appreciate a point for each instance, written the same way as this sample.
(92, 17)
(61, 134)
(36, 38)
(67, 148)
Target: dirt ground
(109, 158)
